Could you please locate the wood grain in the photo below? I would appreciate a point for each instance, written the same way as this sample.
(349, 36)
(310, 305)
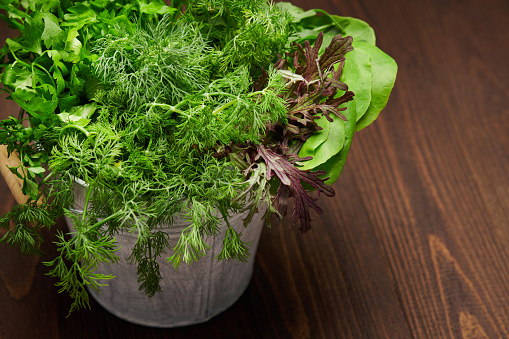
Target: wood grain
(336, 264)
(17, 273)
(416, 242)
(438, 212)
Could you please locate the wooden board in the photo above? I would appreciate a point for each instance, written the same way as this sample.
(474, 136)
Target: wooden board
(416, 242)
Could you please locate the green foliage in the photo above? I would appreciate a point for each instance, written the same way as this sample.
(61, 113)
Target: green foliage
(320, 145)
(384, 76)
(184, 109)
(216, 114)
(148, 248)
(369, 73)
(164, 63)
(246, 32)
(234, 247)
(261, 36)
(335, 164)
(27, 237)
(85, 251)
(190, 247)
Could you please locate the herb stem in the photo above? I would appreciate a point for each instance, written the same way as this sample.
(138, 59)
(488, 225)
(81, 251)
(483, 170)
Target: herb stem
(173, 109)
(233, 102)
(87, 200)
(105, 220)
(34, 64)
(225, 217)
(221, 93)
(20, 61)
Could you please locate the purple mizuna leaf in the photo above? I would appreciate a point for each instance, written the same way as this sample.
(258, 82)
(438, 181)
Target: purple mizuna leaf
(291, 179)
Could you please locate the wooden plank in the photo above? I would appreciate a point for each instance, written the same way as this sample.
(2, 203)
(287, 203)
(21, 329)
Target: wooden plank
(27, 296)
(237, 322)
(329, 282)
(439, 215)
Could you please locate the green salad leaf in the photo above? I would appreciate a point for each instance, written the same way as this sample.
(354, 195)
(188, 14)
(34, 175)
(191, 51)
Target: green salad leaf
(384, 70)
(324, 144)
(369, 73)
(335, 164)
(358, 29)
(358, 74)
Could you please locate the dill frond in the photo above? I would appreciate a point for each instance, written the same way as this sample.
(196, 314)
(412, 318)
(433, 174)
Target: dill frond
(162, 62)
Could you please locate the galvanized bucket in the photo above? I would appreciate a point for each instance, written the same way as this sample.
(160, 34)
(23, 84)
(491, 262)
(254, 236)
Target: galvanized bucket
(193, 294)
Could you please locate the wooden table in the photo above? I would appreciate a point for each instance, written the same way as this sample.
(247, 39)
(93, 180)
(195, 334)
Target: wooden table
(416, 242)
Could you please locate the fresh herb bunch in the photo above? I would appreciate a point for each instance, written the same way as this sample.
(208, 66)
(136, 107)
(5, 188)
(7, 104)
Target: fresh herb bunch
(201, 108)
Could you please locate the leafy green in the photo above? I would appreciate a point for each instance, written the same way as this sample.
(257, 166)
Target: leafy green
(254, 44)
(165, 62)
(369, 73)
(312, 85)
(359, 30)
(204, 108)
(86, 250)
(330, 25)
(334, 165)
(316, 139)
(358, 73)
(293, 181)
(334, 134)
(384, 77)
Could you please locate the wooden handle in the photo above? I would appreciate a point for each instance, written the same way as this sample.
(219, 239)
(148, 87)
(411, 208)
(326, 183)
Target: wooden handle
(15, 184)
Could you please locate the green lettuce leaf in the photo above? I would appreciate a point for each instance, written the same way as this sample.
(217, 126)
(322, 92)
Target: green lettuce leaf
(359, 30)
(384, 75)
(334, 166)
(357, 74)
(368, 72)
(324, 144)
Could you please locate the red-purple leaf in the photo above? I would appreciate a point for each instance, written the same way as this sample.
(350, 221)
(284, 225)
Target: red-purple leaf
(312, 84)
(291, 179)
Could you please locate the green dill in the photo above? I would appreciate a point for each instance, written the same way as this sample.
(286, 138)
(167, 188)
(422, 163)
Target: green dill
(162, 62)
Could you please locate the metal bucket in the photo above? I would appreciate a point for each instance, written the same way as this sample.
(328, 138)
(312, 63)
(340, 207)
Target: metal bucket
(193, 295)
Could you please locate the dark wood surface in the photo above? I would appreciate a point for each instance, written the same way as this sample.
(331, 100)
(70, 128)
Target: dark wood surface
(416, 242)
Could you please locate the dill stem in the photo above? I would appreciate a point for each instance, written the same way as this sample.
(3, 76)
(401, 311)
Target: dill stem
(221, 93)
(87, 199)
(225, 106)
(233, 102)
(223, 214)
(105, 220)
(173, 109)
